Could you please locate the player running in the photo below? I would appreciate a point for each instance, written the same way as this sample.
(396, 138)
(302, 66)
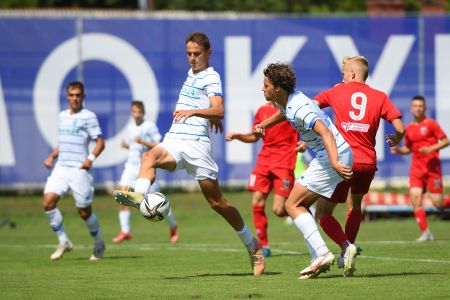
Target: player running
(331, 165)
(77, 127)
(358, 109)
(424, 138)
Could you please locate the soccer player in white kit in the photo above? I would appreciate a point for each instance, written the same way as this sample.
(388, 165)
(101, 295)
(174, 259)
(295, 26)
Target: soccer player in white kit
(331, 165)
(142, 136)
(187, 144)
(77, 127)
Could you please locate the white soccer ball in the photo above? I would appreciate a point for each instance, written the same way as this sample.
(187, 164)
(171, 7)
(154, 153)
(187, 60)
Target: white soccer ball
(155, 207)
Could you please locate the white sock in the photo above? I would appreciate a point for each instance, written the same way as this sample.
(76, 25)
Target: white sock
(171, 219)
(124, 219)
(246, 237)
(56, 222)
(94, 228)
(306, 224)
(311, 250)
(142, 185)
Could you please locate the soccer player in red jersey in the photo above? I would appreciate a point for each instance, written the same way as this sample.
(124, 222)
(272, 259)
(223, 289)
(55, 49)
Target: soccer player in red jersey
(274, 168)
(424, 138)
(358, 109)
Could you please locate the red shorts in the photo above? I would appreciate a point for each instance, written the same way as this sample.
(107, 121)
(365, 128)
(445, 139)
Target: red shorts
(263, 178)
(363, 175)
(431, 182)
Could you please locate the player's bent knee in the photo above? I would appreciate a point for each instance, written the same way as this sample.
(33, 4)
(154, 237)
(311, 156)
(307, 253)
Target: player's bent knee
(148, 160)
(49, 202)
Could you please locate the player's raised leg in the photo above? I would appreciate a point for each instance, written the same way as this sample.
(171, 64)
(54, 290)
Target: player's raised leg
(211, 191)
(157, 157)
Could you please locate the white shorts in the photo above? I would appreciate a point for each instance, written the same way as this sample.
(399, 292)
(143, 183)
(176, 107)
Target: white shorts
(79, 181)
(321, 178)
(193, 155)
(129, 177)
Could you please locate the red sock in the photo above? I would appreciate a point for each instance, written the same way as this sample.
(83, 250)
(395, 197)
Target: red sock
(447, 202)
(421, 219)
(352, 223)
(260, 222)
(333, 229)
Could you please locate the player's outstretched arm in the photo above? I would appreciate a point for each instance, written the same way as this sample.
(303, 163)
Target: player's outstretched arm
(330, 146)
(48, 162)
(249, 137)
(99, 147)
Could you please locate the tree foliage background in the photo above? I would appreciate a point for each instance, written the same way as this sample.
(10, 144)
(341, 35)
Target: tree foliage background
(266, 6)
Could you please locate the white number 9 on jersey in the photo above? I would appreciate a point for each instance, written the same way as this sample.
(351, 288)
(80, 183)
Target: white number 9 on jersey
(358, 101)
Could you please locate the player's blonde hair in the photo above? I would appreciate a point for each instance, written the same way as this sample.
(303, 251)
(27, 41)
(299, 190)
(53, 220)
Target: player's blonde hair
(360, 64)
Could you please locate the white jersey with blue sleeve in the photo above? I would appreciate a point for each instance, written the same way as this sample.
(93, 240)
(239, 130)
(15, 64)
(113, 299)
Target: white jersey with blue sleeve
(148, 132)
(75, 133)
(302, 113)
(195, 94)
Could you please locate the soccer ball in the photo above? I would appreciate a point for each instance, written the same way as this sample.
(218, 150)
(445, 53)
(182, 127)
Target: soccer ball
(155, 207)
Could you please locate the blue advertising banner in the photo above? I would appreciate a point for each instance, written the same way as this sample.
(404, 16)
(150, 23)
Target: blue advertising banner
(122, 59)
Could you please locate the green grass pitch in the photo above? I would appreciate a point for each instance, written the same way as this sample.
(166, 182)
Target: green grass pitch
(209, 262)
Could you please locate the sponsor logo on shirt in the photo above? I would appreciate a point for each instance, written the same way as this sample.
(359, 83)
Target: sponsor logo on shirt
(69, 130)
(423, 130)
(348, 126)
(185, 90)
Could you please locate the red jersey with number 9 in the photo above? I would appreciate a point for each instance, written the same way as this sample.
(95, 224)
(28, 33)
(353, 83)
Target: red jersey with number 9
(358, 109)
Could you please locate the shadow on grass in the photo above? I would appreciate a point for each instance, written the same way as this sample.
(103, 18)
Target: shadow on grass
(400, 274)
(114, 257)
(220, 274)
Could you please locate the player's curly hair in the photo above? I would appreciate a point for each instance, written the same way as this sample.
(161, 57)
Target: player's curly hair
(281, 75)
(199, 38)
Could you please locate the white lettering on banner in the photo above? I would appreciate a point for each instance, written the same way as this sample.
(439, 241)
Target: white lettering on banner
(442, 75)
(96, 46)
(385, 72)
(243, 89)
(6, 150)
